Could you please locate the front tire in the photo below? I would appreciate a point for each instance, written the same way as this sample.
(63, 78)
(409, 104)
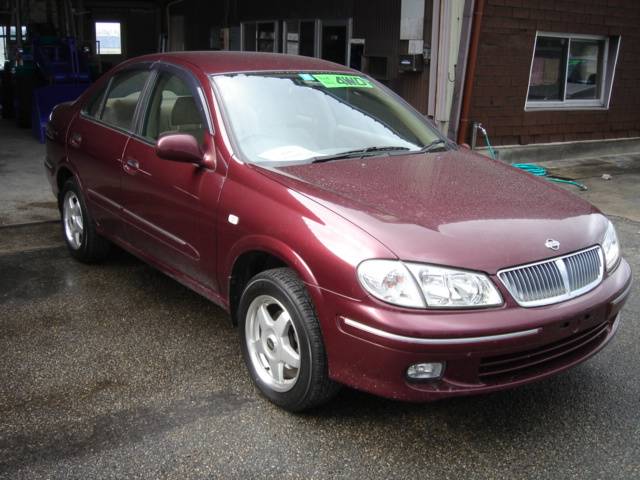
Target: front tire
(78, 228)
(282, 343)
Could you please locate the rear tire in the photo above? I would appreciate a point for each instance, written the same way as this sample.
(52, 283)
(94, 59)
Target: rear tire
(282, 342)
(78, 228)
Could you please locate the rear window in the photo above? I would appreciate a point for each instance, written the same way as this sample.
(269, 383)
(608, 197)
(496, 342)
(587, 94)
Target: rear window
(122, 99)
(92, 107)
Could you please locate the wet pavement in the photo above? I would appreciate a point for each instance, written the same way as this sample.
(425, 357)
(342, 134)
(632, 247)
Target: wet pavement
(117, 371)
(25, 194)
(619, 195)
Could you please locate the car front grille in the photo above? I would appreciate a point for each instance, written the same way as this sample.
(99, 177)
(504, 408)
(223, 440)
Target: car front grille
(554, 280)
(516, 365)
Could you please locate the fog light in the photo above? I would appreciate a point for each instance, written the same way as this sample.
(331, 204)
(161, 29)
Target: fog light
(425, 371)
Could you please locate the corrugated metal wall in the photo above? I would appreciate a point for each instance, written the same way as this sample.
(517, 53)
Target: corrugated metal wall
(376, 21)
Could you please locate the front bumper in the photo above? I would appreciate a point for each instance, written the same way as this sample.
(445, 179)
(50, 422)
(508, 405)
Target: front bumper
(370, 346)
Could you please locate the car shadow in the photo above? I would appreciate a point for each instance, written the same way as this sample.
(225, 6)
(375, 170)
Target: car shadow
(557, 400)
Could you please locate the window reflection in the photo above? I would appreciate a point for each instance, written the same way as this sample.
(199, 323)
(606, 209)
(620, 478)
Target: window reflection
(548, 69)
(585, 65)
(293, 117)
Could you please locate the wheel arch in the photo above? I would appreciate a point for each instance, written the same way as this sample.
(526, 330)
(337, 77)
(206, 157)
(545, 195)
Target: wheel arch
(256, 254)
(64, 173)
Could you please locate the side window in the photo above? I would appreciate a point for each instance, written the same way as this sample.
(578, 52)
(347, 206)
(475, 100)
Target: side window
(123, 97)
(173, 109)
(91, 108)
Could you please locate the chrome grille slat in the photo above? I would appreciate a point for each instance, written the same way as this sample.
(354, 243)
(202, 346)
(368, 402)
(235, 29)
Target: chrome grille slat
(582, 275)
(598, 259)
(574, 273)
(556, 279)
(548, 275)
(545, 280)
(523, 286)
(528, 287)
(510, 282)
(515, 284)
(579, 277)
(581, 269)
(585, 271)
(537, 283)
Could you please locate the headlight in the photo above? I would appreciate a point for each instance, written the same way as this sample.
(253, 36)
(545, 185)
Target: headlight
(390, 281)
(611, 247)
(413, 284)
(446, 287)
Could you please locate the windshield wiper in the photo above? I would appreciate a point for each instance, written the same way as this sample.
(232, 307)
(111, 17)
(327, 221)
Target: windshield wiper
(357, 153)
(431, 146)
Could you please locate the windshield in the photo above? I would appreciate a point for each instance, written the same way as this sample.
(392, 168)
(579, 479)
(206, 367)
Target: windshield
(280, 118)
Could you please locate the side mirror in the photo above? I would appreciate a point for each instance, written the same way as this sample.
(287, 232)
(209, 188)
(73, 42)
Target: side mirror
(179, 147)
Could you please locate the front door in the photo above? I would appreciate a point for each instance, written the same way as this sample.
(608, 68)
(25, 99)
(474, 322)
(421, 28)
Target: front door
(163, 199)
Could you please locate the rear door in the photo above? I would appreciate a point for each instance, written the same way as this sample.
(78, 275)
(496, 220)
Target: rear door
(97, 140)
(164, 210)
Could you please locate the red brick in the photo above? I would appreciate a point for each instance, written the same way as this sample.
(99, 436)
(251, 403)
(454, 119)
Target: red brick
(521, 12)
(504, 62)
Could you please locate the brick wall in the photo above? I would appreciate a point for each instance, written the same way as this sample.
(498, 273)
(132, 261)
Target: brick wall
(502, 76)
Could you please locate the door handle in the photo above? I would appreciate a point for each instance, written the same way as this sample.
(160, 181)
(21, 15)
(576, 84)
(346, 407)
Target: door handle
(131, 166)
(133, 163)
(76, 140)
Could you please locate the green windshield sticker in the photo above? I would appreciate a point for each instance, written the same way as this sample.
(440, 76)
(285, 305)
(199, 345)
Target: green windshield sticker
(331, 80)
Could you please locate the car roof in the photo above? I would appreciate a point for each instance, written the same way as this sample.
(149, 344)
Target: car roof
(230, 62)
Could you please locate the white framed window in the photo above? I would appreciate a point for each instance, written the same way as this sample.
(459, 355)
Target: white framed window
(3, 46)
(300, 37)
(8, 35)
(13, 33)
(109, 38)
(259, 36)
(571, 71)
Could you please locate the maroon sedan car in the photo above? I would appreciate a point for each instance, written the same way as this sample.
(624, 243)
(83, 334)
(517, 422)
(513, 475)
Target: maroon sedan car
(350, 242)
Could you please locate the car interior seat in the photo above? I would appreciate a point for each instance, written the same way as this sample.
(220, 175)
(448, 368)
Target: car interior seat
(186, 118)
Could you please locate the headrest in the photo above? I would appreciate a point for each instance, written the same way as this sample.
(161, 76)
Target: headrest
(185, 112)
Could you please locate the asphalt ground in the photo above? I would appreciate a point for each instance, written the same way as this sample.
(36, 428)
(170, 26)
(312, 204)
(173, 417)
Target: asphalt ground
(117, 371)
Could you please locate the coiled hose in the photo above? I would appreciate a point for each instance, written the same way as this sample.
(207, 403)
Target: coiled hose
(532, 168)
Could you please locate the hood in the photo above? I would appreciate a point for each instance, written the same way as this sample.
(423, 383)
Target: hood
(452, 208)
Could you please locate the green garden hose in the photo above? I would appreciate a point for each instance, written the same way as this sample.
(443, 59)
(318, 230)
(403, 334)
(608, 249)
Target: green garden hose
(531, 168)
(538, 171)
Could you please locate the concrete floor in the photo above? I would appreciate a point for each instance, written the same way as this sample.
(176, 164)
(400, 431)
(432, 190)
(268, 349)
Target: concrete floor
(116, 371)
(24, 191)
(619, 196)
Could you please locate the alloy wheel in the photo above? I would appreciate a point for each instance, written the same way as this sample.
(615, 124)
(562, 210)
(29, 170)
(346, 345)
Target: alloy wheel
(272, 343)
(72, 218)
